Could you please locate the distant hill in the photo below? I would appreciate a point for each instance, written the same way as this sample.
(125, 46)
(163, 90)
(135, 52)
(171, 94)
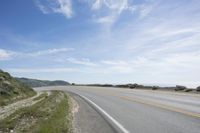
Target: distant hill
(40, 83)
(11, 89)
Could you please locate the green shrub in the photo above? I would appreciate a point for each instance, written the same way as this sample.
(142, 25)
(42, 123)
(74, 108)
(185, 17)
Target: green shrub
(188, 90)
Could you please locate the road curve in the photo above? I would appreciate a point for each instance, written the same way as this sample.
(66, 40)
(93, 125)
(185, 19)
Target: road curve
(144, 111)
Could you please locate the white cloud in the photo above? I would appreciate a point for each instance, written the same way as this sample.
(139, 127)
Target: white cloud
(118, 5)
(5, 54)
(108, 20)
(146, 8)
(109, 10)
(56, 6)
(83, 61)
(65, 8)
(42, 7)
(97, 4)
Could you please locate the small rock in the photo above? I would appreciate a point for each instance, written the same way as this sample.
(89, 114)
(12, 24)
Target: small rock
(179, 88)
(198, 88)
(155, 87)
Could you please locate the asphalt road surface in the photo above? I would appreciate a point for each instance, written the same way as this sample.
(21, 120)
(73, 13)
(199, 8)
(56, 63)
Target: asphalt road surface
(143, 111)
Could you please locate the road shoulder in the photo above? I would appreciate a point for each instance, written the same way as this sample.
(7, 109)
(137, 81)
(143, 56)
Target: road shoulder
(86, 119)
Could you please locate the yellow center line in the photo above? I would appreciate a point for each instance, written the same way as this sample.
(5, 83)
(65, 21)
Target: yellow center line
(155, 104)
(175, 93)
(166, 107)
(196, 95)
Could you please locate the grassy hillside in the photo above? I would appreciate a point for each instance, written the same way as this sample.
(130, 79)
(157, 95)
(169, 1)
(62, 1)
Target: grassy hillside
(12, 90)
(40, 83)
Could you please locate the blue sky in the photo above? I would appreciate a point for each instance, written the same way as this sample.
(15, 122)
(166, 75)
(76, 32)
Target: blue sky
(102, 41)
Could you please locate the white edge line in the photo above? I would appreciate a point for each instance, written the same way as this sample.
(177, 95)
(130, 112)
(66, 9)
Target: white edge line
(120, 126)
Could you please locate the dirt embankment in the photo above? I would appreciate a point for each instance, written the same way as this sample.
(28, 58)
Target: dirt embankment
(47, 112)
(5, 111)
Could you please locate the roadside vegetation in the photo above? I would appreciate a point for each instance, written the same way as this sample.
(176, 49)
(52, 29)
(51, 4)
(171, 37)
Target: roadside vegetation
(177, 88)
(50, 115)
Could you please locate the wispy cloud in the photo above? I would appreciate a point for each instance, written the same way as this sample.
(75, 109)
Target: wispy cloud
(8, 55)
(63, 7)
(50, 51)
(41, 70)
(110, 10)
(121, 69)
(113, 62)
(5, 54)
(105, 12)
(83, 61)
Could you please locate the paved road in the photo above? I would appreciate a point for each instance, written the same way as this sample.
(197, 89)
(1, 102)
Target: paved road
(144, 111)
